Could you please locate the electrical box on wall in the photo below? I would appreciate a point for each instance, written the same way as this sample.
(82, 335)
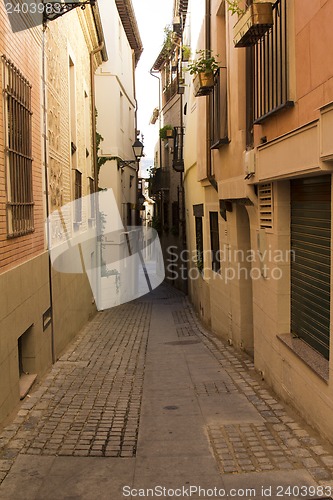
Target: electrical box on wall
(249, 162)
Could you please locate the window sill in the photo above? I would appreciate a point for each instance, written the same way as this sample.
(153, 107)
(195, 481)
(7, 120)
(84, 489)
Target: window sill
(92, 222)
(221, 142)
(26, 381)
(286, 105)
(11, 236)
(309, 356)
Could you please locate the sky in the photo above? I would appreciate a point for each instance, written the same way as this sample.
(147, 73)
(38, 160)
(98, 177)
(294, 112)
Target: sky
(152, 16)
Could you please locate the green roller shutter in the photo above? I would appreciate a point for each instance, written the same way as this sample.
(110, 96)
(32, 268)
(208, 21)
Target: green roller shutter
(311, 266)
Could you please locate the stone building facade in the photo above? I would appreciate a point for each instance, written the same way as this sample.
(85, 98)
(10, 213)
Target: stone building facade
(258, 166)
(42, 71)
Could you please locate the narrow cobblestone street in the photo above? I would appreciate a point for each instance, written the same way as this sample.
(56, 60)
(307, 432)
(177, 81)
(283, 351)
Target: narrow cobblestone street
(145, 396)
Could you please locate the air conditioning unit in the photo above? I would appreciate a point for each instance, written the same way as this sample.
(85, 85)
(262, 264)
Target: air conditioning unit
(249, 162)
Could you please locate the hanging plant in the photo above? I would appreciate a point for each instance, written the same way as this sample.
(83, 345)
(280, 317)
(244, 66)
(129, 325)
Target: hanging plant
(253, 23)
(186, 53)
(204, 63)
(234, 8)
(203, 69)
(169, 37)
(166, 132)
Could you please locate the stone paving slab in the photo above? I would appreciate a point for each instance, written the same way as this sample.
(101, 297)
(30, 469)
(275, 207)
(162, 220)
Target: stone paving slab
(273, 486)
(55, 478)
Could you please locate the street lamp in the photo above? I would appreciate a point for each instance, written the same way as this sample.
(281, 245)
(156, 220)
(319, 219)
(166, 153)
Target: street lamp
(138, 153)
(137, 149)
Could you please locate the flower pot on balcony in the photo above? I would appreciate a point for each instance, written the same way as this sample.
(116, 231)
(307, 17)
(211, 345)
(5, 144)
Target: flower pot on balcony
(166, 132)
(203, 83)
(253, 24)
(186, 53)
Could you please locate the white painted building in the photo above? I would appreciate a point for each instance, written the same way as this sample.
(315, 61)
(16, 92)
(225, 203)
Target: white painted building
(116, 105)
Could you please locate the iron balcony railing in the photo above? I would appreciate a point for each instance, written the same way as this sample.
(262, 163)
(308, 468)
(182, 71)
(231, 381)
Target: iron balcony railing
(159, 181)
(178, 149)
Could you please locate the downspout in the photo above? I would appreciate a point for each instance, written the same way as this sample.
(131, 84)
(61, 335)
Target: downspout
(136, 211)
(210, 177)
(152, 72)
(95, 167)
(47, 208)
(93, 110)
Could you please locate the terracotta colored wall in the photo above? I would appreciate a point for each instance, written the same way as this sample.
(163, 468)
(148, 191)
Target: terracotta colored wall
(24, 50)
(310, 66)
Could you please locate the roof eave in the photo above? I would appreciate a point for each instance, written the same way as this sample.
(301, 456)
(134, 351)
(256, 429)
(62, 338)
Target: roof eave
(128, 19)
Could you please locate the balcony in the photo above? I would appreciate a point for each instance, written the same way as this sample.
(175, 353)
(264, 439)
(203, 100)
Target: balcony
(178, 160)
(169, 91)
(159, 181)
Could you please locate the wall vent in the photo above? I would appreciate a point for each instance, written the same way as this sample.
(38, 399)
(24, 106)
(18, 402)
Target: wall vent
(265, 198)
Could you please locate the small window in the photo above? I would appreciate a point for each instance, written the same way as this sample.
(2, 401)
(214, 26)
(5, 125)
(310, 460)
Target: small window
(26, 361)
(199, 243)
(218, 111)
(214, 240)
(78, 196)
(92, 198)
(18, 147)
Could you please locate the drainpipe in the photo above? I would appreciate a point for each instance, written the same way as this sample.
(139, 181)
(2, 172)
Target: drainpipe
(46, 179)
(152, 72)
(95, 167)
(136, 211)
(93, 110)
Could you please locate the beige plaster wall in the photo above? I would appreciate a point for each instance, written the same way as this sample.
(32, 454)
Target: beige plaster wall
(251, 313)
(24, 297)
(289, 375)
(73, 306)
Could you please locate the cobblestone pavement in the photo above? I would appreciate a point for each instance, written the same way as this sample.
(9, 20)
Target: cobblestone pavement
(90, 403)
(281, 442)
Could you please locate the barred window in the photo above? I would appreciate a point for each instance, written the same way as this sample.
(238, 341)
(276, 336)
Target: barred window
(199, 243)
(92, 197)
(18, 149)
(270, 67)
(218, 111)
(214, 240)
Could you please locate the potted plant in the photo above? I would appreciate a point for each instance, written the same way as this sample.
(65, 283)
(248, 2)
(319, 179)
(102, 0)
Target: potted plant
(253, 22)
(169, 39)
(166, 132)
(186, 53)
(203, 69)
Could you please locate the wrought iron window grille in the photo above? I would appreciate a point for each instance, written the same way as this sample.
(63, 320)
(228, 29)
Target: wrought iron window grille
(18, 148)
(270, 68)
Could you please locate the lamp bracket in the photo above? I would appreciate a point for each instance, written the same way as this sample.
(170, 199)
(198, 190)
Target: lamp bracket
(53, 10)
(128, 163)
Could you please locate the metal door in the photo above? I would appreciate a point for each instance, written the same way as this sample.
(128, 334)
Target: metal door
(311, 266)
